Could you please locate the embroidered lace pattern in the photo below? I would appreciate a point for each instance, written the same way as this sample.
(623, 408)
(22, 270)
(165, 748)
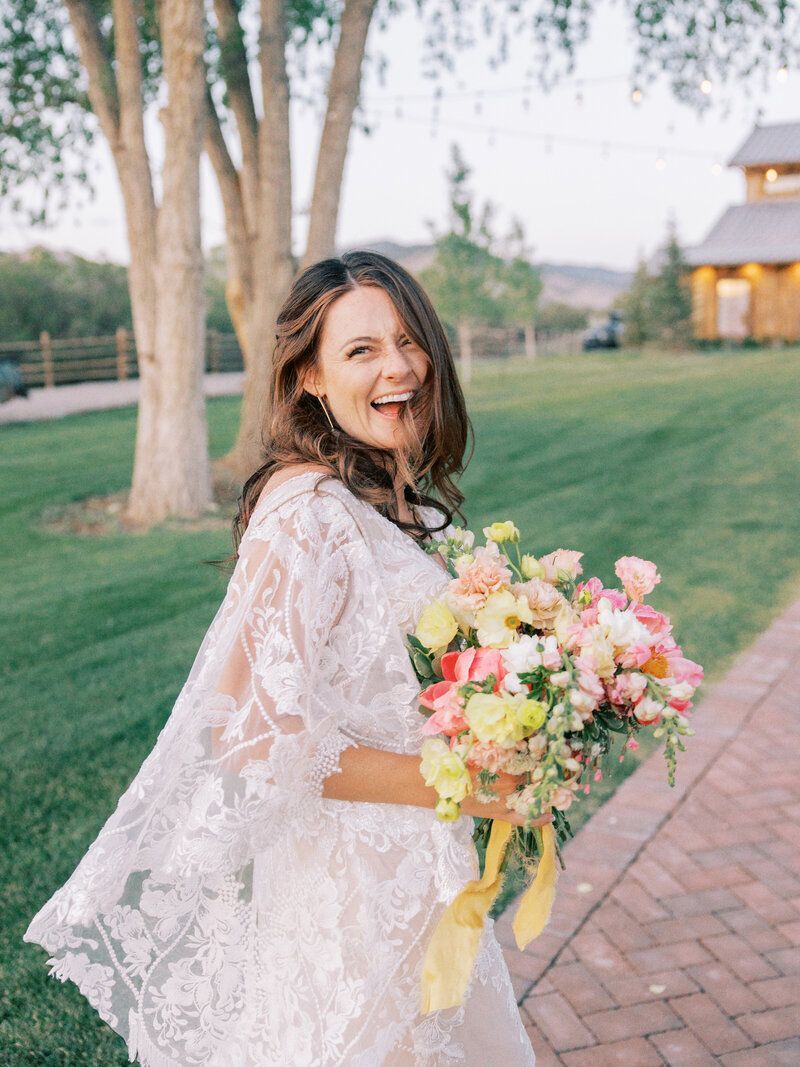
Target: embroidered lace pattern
(230, 915)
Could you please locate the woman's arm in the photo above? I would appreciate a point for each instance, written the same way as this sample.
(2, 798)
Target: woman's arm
(376, 776)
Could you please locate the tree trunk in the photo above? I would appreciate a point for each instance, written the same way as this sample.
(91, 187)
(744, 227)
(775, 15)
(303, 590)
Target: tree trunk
(465, 351)
(171, 472)
(530, 340)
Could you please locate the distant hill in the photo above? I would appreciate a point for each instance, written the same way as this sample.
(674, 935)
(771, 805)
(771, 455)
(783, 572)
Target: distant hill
(586, 287)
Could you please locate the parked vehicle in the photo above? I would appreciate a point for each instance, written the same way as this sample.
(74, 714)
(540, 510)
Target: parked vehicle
(11, 381)
(607, 335)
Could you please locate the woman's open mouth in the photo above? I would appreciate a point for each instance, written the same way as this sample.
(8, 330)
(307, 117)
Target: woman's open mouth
(392, 404)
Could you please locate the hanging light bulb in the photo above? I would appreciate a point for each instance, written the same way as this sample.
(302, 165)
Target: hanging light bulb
(636, 95)
(526, 103)
(705, 87)
(716, 169)
(661, 163)
(771, 175)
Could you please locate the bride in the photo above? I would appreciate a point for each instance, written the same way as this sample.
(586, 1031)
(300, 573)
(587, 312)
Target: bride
(265, 890)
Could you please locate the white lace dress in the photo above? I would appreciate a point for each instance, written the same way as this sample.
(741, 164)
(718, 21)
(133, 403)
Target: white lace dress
(228, 914)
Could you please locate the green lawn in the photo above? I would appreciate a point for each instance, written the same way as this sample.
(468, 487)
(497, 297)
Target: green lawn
(692, 461)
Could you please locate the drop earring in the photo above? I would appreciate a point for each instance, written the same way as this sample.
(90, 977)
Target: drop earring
(327, 414)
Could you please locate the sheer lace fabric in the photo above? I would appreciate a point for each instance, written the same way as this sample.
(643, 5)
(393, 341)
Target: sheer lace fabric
(228, 914)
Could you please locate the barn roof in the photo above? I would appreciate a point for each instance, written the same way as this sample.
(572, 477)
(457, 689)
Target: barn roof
(757, 232)
(767, 145)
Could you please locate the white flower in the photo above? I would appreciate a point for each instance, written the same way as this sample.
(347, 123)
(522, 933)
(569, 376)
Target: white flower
(621, 628)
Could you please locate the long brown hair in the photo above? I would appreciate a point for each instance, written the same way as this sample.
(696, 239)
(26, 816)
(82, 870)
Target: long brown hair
(435, 424)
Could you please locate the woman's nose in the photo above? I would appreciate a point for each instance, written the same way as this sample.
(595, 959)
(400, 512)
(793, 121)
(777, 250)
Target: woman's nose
(395, 361)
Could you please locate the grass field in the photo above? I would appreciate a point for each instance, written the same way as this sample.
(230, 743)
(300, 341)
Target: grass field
(692, 461)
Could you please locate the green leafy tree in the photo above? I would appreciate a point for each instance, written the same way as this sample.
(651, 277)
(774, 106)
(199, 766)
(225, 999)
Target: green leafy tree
(464, 277)
(520, 285)
(670, 297)
(635, 307)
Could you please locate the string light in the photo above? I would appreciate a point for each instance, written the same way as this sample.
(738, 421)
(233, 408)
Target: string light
(771, 175)
(716, 169)
(661, 163)
(636, 95)
(783, 74)
(705, 87)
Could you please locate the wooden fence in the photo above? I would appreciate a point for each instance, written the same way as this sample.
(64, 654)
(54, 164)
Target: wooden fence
(63, 361)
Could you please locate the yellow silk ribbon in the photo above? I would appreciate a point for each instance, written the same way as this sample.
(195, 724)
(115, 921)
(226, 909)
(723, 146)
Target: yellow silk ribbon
(453, 946)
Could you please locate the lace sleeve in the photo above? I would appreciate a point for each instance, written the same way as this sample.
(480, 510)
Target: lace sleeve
(290, 586)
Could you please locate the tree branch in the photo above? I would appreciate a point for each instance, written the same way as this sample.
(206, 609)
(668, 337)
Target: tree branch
(233, 65)
(343, 92)
(274, 145)
(97, 64)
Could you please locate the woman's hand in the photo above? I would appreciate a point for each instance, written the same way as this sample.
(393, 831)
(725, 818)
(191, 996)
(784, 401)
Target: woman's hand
(504, 785)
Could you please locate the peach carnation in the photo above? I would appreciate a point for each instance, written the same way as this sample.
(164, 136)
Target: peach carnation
(544, 600)
(487, 572)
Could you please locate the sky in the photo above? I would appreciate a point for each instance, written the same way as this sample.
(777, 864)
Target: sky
(593, 177)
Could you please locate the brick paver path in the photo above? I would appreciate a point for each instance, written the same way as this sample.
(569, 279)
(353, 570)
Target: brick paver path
(675, 933)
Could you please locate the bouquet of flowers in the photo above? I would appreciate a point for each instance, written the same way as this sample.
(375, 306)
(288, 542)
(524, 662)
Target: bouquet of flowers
(528, 671)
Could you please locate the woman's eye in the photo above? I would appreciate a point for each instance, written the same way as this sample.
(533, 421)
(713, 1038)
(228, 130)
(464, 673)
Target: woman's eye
(355, 351)
(407, 341)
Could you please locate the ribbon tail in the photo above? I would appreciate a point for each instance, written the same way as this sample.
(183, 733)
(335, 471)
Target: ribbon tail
(537, 901)
(451, 951)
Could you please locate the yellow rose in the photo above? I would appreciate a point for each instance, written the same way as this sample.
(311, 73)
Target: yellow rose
(501, 615)
(444, 770)
(493, 717)
(447, 809)
(437, 626)
(532, 714)
(501, 531)
(531, 567)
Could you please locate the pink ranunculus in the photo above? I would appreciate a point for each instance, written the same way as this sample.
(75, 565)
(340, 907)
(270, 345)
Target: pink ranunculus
(638, 576)
(429, 696)
(656, 622)
(486, 573)
(634, 656)
(448, 709)
(564, 560)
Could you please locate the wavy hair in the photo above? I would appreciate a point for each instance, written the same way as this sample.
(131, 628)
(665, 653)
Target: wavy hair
(435, 423)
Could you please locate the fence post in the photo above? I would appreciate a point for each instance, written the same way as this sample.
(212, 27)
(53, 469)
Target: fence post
(530, 341)
(122, 353)
(47, 359)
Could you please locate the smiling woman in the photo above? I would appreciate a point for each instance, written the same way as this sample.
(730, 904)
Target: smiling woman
(265, 890)
(365, 387)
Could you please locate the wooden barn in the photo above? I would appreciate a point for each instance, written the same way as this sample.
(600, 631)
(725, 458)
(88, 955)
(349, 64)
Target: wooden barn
(746, 274)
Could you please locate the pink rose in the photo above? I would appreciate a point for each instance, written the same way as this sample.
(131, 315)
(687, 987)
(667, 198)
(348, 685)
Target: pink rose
(638, 576)
(486, 573)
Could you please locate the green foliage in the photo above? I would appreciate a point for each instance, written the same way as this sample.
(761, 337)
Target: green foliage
(658, 306)
(70, 296)
(470, 280)
(561, 318)
(66, 295)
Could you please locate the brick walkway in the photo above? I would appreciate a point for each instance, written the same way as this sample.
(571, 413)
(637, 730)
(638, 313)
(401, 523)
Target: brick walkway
(674, 937)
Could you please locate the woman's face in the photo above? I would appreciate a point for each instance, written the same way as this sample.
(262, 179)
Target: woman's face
(366, 355)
